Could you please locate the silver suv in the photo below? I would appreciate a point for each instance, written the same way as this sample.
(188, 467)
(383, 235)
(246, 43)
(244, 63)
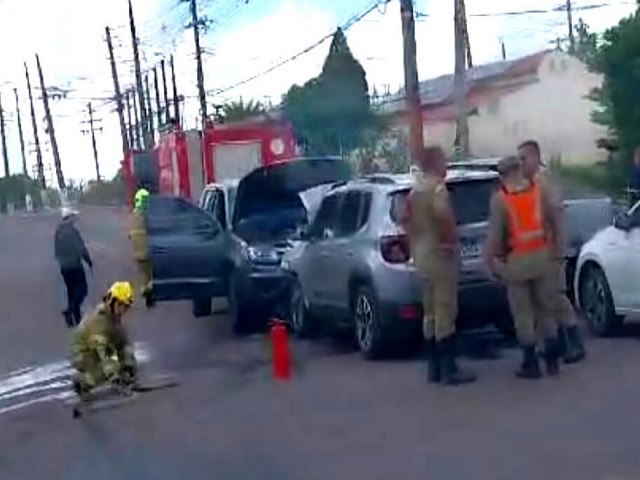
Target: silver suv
(353, 267)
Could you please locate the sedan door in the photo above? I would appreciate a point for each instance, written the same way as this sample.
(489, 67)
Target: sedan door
(622, 262)
(187, 250)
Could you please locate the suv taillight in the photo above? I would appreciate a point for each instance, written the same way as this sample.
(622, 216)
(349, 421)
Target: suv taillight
(395, 249)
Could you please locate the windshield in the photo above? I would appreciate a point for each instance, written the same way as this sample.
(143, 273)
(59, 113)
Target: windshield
(470, 201)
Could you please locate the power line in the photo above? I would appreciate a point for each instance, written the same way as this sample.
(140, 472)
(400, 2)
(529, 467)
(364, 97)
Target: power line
(561, 8)
(345, 26)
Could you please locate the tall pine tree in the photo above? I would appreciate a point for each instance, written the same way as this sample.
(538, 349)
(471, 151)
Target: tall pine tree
(330, 112)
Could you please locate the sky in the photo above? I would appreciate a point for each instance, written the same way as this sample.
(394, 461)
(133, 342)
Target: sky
(243, 39)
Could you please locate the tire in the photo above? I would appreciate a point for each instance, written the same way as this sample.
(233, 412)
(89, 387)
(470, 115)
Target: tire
(201, 307)
(505, 325)
(596, 303)
(368, 328)
(240, 315)
(302, 323)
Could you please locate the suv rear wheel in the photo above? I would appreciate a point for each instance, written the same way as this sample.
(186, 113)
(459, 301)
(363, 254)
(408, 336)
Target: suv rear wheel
(368, 326)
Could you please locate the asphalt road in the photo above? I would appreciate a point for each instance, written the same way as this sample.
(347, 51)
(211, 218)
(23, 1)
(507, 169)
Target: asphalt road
(338, 418)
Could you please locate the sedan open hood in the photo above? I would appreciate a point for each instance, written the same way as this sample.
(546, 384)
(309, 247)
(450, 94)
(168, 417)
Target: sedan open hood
(269, 184)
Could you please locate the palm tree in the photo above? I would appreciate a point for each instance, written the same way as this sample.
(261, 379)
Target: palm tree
(239, 110)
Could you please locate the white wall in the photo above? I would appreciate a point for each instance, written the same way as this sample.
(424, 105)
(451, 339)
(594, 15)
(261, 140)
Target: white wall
(552, 110)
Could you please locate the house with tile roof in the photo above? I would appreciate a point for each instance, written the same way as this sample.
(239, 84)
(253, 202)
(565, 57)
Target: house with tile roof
(540, 96)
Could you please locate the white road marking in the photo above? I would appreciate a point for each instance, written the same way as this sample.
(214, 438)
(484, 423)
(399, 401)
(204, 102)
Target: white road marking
(35, 381)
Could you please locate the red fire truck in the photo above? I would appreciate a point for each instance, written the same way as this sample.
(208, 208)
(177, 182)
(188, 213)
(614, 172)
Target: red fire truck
(183, 162)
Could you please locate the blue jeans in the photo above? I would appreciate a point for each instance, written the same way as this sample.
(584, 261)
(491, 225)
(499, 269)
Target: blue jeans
(76, 283)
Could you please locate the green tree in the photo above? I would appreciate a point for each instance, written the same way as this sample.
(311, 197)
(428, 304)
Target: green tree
(239, 110)
(331, 112)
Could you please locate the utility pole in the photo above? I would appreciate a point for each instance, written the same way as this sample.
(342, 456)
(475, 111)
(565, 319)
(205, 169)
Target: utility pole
(460, 88)
(144, 122)
(465, 33)
(149, 109)
(36, 139)
(572, 40)
(137, 117)
(92, 131)
(132, 140)
(176, 101)
(157, 92)
(165, 91)
(50, 128)
(21, 135)
(411, 82)
(116, 88)
(200, 72)
(3, 137)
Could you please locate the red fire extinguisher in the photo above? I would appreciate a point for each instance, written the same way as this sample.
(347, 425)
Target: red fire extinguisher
(280, 350)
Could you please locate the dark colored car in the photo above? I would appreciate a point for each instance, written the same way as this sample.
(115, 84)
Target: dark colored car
(195, 258)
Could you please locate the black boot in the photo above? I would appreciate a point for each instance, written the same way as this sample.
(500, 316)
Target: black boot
(563, 343)
(434, 361)
(551, 356)
(68, 318)
(575, 351)
(530, 368)
(451, 374)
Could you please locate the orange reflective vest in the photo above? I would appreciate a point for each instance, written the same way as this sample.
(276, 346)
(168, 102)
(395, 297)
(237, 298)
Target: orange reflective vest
(526, 226)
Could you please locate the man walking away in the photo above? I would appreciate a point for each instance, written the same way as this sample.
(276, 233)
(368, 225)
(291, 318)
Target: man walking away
(571, 343)
(518, 249)
(70, 252)
(432, 229)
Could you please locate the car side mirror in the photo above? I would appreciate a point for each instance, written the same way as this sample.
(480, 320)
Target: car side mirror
(623, 222)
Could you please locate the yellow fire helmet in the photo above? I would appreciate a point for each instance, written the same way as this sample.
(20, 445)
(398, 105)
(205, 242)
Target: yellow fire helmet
(122, 292)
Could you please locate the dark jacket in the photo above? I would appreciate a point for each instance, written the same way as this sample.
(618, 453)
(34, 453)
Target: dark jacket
(69, 246)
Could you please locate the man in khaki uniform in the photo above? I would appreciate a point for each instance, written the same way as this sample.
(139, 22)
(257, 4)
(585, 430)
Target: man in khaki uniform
(568, 333)
(518, 249)
(138, 236)
(431, 226)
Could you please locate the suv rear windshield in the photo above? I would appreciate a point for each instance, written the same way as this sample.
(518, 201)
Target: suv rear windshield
(470, 201)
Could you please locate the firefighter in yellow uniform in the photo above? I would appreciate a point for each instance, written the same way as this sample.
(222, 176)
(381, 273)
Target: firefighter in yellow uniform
(432, 230)
(138, 236)
(571, 343)
(520, 245)
(100, 348)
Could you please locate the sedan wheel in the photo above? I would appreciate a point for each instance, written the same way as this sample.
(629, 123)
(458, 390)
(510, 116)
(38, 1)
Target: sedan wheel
(597, 303)
(368, 329)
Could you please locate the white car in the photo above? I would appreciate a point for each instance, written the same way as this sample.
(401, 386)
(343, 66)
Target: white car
(607, 278)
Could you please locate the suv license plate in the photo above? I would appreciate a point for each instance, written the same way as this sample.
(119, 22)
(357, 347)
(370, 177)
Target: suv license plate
(470, 250)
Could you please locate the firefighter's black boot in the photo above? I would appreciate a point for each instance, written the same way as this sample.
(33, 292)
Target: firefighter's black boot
(451, 374)
(435, 362)
(563, 343)
(530, 368)
(551, 356)
(575, 351)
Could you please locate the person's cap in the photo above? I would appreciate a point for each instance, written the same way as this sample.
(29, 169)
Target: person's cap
(508, 165)
(68, 212)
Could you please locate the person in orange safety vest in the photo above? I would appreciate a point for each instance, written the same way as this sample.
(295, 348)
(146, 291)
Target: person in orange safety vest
(569, 337)
(520, 245)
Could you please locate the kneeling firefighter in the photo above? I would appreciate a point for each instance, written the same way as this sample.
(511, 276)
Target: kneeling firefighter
(100, 350)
